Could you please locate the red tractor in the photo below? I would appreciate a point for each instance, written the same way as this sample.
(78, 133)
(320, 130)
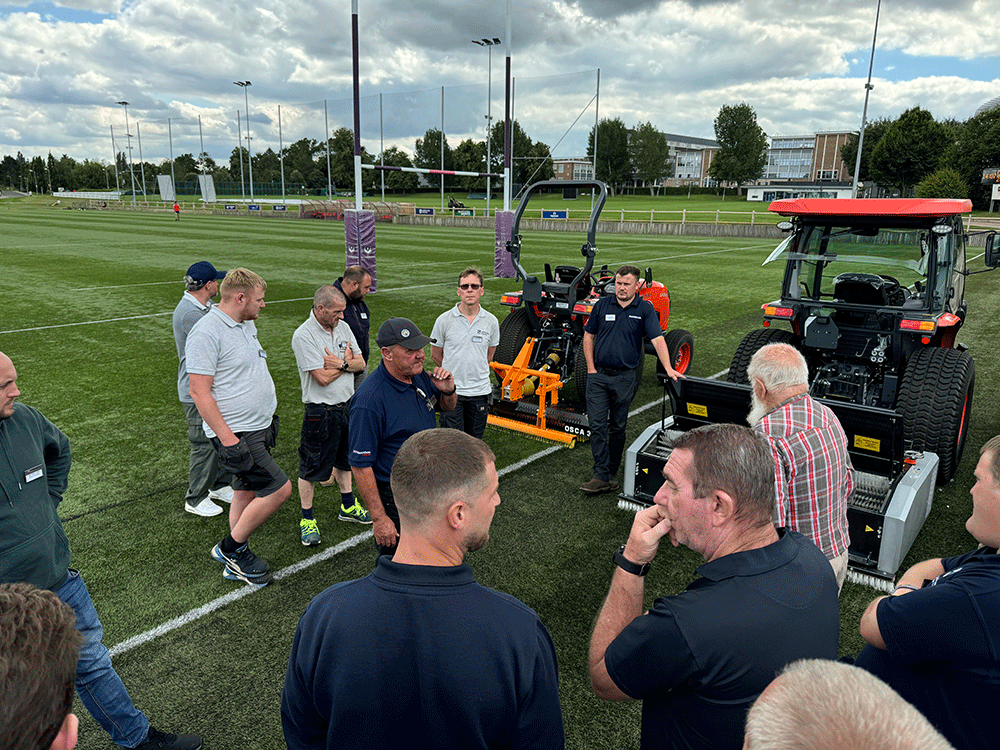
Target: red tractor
(539, 362)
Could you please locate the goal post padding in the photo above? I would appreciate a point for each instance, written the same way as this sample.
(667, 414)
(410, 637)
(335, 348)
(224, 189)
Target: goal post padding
(359, 239)
(503, 264)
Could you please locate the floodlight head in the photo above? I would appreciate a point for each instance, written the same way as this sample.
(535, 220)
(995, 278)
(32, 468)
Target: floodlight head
(476, 41)
(496, 41)
(122, 103)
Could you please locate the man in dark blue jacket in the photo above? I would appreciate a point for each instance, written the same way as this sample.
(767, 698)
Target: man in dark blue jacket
(34, 549)
(448, 663)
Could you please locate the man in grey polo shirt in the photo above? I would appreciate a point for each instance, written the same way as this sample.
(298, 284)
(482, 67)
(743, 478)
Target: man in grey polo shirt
(206, 481)
(327, 355)
(234, 393)
(463, 341)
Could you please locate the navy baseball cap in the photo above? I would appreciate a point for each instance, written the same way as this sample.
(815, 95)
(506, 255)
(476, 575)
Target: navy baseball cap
(402, 331)
(204, 271)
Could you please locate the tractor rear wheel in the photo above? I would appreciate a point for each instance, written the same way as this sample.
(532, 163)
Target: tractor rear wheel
(749, 346)
(514, 331)
(577, 388)
(935, 398)
(680, 344)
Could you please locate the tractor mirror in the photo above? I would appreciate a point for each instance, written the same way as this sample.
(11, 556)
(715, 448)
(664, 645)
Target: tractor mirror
(649, 276)
(992, 250)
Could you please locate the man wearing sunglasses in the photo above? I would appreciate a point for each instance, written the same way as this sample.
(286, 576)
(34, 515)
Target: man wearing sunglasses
(463, 342)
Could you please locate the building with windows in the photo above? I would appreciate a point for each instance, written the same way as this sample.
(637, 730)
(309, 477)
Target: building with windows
(574, 168)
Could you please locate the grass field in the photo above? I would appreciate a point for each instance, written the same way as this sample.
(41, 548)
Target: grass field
(87, 298)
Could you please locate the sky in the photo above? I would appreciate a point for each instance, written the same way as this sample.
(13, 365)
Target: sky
(802, 66)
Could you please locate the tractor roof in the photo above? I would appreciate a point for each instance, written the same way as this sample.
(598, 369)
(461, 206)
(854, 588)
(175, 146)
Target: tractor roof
(910, 207)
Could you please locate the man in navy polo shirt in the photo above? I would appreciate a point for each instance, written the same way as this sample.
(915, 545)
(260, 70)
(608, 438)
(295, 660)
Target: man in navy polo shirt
(765, 597)
(612, 344)
(936, 638)
(397, 400)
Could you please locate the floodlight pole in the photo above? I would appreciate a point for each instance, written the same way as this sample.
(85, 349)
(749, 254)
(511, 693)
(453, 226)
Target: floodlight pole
(864, 112)
(246, 101)
(239, 152)
(128, 139)
(489, 44)
(114, 161)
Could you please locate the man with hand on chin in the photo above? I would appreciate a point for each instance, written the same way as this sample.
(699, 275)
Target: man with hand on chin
(397, 400)
(766, 597)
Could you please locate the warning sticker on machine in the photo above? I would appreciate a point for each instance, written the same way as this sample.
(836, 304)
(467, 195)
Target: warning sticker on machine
(698, 410)
(867, 444)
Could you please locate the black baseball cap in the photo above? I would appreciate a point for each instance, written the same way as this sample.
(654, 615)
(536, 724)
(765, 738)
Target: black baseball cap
(204, 271)
(402, 331)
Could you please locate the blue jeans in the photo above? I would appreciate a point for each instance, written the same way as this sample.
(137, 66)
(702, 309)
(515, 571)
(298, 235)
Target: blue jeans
(608, 401)
(98, 685)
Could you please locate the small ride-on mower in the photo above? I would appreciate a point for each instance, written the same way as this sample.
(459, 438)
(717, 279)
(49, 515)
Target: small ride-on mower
(539, 363)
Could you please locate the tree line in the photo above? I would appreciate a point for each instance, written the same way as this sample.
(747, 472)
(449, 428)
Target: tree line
(305, 165)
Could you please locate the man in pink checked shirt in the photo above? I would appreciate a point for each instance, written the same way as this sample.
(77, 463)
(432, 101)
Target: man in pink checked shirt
(813, 472)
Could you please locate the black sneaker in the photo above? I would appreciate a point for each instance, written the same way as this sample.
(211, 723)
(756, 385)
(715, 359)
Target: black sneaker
(244, 564)
(157, 740)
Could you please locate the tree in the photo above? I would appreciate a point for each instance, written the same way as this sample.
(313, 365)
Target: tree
(470, 156)
(427, 151)
(185, 164)
(977, 148)
(874, 131)
(944, 183)
(613, 164)
(342, 161)
(398, 182)
(650, 155)
(742, 150)
(522, 150)
(300, 158)
(910, 149)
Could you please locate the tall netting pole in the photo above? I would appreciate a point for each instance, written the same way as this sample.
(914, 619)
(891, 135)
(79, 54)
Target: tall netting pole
(359, 225)
(503, 265)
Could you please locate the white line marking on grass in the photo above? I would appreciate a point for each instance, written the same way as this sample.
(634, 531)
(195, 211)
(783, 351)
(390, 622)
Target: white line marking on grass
(198, 612)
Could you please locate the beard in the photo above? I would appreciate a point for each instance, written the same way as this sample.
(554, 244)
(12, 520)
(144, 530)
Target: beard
(475, 543)
(757, 410)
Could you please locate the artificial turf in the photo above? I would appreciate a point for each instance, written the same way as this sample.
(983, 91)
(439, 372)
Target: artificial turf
(85, 316)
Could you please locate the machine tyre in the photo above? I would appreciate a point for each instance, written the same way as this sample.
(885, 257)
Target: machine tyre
(579, 383)
(514, 331)
(680, 344)
(935, 399)
(749, 346)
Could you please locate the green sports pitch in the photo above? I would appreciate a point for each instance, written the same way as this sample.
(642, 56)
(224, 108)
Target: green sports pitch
(87, 298)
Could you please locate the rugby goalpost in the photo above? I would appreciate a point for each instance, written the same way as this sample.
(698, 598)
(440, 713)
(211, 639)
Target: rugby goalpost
(359, 224)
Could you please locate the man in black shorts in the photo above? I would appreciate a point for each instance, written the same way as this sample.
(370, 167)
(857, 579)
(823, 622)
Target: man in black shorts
(327, 355)
(234, 393)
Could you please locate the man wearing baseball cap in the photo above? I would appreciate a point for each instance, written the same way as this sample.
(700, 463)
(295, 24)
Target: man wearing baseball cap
(395, 401)
(206, 480)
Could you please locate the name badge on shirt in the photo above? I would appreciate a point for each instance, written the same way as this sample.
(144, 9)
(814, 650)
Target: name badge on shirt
(477, 339)
(610, 318)
(364, 316)
(35, 472)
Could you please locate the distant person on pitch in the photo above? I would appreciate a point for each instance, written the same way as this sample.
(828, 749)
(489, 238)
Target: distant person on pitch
(177, 211)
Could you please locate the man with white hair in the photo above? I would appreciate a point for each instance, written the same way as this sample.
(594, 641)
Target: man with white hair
(936, 638)
(817, 704)
(813, 472)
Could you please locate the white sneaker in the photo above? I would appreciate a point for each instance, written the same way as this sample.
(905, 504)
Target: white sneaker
(225, 494)
(205, 508)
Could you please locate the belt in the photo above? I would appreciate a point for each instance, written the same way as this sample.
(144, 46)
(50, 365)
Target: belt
(612, 371)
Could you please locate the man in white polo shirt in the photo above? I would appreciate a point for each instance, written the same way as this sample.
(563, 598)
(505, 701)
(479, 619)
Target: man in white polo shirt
(234, 393)
(463, 341)
(328, 355)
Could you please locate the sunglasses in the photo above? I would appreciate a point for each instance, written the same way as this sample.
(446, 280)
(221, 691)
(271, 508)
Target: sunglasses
(469, 286)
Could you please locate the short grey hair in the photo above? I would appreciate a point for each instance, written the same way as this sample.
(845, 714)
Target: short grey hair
(778, 366)
(817, 704)
(737, 461)
(327, 294)
(992, 447)
(193, 285)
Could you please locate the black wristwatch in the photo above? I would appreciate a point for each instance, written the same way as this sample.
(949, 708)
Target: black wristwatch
(344, 366)
(619, 559)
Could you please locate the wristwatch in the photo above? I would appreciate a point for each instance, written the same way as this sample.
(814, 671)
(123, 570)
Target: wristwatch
(344, 366)
(619, 559)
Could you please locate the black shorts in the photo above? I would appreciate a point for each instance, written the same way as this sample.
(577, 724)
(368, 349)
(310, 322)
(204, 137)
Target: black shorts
(264, 477)
(324, 441)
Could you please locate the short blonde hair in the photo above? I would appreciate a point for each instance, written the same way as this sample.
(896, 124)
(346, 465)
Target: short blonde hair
(241, 280)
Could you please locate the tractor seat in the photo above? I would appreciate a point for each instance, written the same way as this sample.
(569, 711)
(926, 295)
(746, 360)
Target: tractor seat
(860, 289)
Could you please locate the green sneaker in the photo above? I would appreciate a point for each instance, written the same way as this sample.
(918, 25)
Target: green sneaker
(356, 514)
(310, 532)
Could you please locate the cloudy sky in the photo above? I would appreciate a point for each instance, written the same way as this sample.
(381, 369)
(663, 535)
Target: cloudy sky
(801, 65)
